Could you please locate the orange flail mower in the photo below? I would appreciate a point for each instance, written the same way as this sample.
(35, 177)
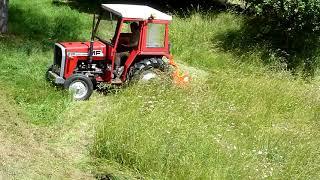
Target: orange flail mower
(179, 78)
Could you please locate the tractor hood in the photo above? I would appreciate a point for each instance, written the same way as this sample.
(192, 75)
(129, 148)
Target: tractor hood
(81, 49)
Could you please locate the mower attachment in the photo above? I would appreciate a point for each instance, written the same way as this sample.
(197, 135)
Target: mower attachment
(178, 77)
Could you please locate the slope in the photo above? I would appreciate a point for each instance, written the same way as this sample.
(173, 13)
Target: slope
(24, 151)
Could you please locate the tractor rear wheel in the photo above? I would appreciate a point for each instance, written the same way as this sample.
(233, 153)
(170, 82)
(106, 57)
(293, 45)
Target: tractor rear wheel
(80, 86)
(146, 70)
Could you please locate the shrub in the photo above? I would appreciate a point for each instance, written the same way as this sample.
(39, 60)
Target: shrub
(290, 16)
(293, 26)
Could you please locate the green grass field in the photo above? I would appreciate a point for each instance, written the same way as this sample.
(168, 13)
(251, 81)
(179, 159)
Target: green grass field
(241, 117)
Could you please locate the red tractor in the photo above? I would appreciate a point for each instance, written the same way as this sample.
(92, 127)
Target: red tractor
(136, 47)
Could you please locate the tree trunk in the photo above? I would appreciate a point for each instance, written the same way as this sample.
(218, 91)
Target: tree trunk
(4, 16)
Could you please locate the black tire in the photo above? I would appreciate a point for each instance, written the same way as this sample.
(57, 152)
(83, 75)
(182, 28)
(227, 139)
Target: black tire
(81, 85)
(47, 72)
(151, 64)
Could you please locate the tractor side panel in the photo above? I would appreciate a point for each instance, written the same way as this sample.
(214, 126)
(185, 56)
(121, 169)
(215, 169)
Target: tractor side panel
(79, 51)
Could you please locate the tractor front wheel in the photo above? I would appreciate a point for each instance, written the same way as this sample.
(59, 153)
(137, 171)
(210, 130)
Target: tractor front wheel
(80, 86)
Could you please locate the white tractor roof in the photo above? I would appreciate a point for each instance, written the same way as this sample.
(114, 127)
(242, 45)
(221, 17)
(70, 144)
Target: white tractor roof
(136, 11)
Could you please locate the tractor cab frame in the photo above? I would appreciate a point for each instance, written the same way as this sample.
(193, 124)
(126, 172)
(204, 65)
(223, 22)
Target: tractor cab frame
(81, 65)
(153, 30)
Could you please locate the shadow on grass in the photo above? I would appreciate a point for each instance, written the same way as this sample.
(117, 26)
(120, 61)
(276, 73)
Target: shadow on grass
(79, 5)
(94, 5)
(182, 9)
(44, 28)
(295, 55)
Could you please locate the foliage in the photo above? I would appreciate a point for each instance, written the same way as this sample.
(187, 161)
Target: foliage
(292, 26)
(291, 16)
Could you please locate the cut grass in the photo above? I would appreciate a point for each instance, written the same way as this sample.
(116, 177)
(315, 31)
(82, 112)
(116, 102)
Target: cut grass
(22, 154)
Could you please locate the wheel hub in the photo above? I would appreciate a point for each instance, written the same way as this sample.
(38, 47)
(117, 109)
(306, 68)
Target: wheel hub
(79, 89)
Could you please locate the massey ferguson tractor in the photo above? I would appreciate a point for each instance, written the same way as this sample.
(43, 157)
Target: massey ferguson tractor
(135, 49)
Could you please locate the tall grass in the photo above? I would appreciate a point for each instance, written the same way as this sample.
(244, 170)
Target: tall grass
(230, 127)
(41, 20)
(193, 39)
(244, 121)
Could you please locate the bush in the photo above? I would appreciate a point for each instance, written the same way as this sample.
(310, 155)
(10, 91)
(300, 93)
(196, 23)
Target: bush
(293, 26)
(290, 16)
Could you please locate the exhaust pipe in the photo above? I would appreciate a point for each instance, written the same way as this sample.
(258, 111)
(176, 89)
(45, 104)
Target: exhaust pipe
(92, 40)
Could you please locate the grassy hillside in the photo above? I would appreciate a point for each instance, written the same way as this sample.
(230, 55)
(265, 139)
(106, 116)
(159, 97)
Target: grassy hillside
(25, 152)
(241, 117)
(230, 127)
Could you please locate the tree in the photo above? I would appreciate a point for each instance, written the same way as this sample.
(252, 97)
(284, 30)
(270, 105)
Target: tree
(4, 16)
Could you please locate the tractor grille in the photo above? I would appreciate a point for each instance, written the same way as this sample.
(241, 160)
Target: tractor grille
(57, 60)
(57, 55)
